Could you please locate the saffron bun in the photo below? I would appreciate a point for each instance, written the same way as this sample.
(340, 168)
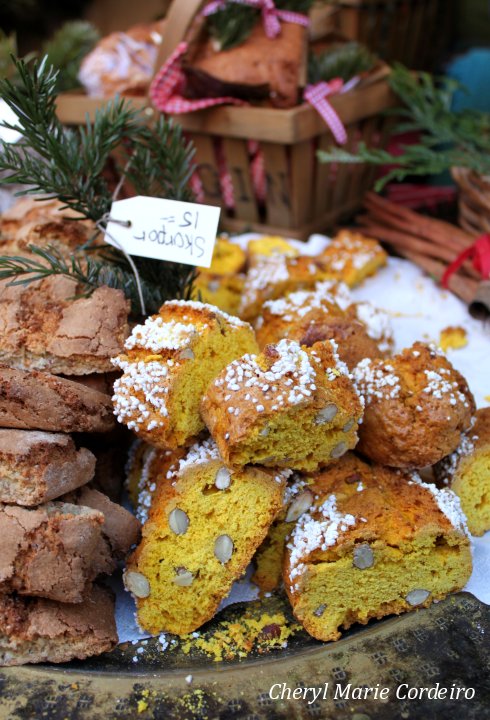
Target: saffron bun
(417, 406)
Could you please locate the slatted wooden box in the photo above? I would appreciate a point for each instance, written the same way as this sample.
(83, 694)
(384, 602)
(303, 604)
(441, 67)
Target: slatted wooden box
(302, 195)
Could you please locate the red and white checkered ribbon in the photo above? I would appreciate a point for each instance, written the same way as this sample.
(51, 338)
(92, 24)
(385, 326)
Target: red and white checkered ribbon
(168, 84)
(317, 95)
(271, 16)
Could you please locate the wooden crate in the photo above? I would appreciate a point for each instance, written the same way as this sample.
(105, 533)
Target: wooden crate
(413, 32)
(302, 195)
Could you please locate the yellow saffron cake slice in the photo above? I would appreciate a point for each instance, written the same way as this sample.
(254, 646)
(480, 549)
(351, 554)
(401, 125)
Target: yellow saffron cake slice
(467, 472)
(204, 526)
(288, 407)
(168, 364)
(352, 257)
(376, 541)
(268, 560)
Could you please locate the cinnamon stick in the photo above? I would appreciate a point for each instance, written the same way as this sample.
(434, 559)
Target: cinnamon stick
(404, 242)
(464, 288)
(420, 223)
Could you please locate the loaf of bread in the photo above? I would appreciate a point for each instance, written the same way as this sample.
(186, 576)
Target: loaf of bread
(34, 630)
(123, 62)
(205, 524)
(287, 407)
(258, 67)
(38, 466)
(375, 542)
(168, 364)
(417, 406)
(467, 472)
(49, 551)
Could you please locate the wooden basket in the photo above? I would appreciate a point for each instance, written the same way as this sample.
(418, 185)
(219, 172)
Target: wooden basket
(409, 31)
(474, 200)
(301, 195)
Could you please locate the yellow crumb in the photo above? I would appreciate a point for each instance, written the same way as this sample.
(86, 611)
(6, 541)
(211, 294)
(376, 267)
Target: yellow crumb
(453, 338)
(230, 640)
(142, 706)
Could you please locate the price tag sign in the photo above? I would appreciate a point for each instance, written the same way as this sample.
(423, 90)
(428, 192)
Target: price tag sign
(179, 232)
(8, 116)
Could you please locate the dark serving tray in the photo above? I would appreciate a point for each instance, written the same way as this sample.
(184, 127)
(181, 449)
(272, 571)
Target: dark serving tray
(445, 644)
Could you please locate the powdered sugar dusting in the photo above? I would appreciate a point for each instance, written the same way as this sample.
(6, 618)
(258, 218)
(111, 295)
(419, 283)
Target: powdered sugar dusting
(447, 467)
(199, 453)
(196, 305)
(376, 380)
(158, 334)
(291, 367)
(268, 272)
(140, 392)
(313, 533)
(377, 323)
(301, 302)
(447, 501)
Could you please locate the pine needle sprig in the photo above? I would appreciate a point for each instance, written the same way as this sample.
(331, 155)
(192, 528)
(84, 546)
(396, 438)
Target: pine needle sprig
(447, 138)
(160, 163)
(344, 61)
(232, 24)
(68, 164)
(66, 49)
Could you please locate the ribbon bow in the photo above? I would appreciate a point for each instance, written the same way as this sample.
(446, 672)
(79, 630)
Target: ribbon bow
(317, 95)
(479, 253)
(271, 16)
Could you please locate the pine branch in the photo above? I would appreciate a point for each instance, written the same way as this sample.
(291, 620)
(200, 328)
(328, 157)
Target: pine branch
(160, 162)
(447, 139)
(344, 61)
(66, 50)
(232, 25)
(69, 164)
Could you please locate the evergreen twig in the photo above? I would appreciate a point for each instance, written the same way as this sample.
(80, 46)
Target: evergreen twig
(342, 61)
(447, 139)
(69, 164)
(232, 25)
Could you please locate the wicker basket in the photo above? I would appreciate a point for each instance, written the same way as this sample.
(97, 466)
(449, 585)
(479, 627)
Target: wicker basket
(301, 195)
(474, 200)
(413, 32)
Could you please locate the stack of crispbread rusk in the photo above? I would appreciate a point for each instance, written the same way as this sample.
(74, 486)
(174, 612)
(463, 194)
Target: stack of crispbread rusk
(59, 533)
(249, 455)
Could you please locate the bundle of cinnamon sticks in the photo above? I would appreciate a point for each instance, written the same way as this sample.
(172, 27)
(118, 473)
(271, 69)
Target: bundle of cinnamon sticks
(429, 243)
